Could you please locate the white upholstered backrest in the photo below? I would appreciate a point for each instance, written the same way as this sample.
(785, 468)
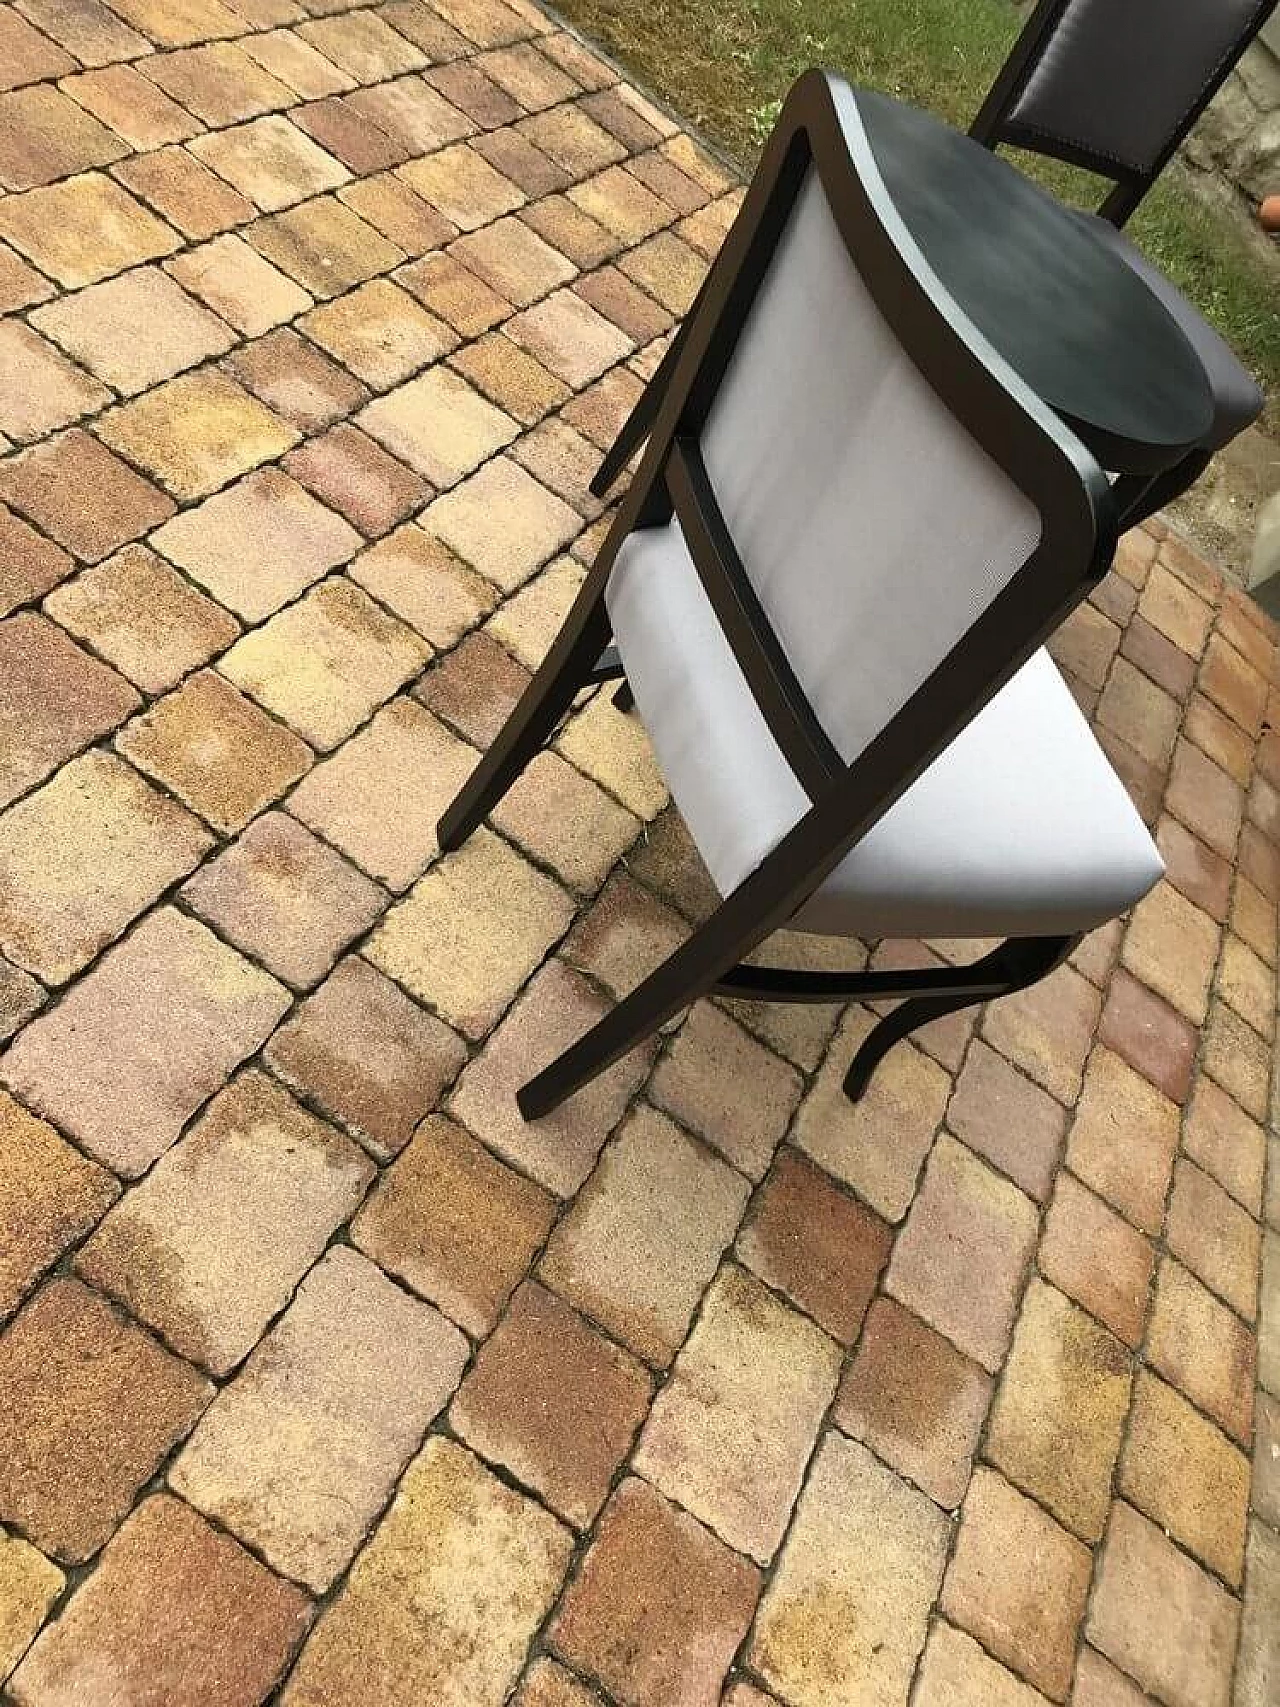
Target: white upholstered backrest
(873, 528)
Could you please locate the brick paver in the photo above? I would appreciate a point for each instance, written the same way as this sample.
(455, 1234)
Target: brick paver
(323, 1376)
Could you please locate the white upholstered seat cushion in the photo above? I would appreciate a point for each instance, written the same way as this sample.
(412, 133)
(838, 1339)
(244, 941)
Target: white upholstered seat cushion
(1020, 828)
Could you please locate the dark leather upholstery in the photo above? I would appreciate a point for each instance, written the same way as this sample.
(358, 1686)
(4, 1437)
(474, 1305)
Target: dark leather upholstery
(1237, 398)
(1119, 77)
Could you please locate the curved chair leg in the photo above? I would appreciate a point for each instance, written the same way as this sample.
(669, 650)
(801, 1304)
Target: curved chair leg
(1019, 961)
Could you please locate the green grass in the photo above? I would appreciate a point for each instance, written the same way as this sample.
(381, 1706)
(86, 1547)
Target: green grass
(726, 65)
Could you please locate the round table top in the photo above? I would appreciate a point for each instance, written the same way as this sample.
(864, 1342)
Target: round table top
(1064, 310)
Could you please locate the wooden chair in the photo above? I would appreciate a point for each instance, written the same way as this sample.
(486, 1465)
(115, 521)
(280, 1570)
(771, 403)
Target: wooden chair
(852, 530)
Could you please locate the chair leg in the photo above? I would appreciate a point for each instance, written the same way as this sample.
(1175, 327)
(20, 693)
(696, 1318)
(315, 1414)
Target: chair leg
(567, 666)
(1019, 962)
(635, 429)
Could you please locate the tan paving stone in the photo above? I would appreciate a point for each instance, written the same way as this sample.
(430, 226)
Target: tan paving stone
(463, 186)
(1205, 1351)
(1161, 1618)
(89, 1405)
(511, 378)
(1173, 948)
(570, 338)
(270, 162)
(644, 1235)
(356, 477)
(197, 432)
(915, 1400)
(560, 1149)
(553, 1402)
(380, 333)
(1158, 658)
(453, 293)
(44, 135)
(636, 315)
(297, 1456)
(1216, 1239)
(487, 23)
(1008, 1119)
(547, 1684)
(567, 227)
(1099, 1684)
(1171, 606)
(143, 618)
(39, 390)
(425, 583)
(326, 247)
(135, 1048)
(961, 1259)
(1150, 1036)
(1218, 737)
(574, 140)
(624, 936)
(296, 63)
(50, 1196)
(438, 424)
(534, 524)
(565, 821)
(86, 29)
(1018, 1582)
(210, 1246)
(1237, 1058)
(84, 229)
(259, 543)
(54, 699)
(286, 898)
(443, 1602)
(216, 751)
(659, 1605)
(175, 1610)
(218, 82)
(730, 1433)
(1055, 1429)
(363, 45)
(514, 260)
(877, 1144)
(240, 285)
(379, 798)
(1256, 1665)
(1187, 1476)
(455, 1224)
(821, 1247)
(956, 1672)
(184, 192)
(398, 213)
(720, 1082)
(1193, 869)
(1123, 1138)
(29, 1586)
(1140, 712)
(465, 85)
(295, 380)
(527, 625)
(367, 1056)
(28, 57)
(848, 1605)
(1233, 684)
(179, 24)
(530, 78)
(1095, 1257)
(357, 142)
(20, 999)
(139, 113)
(411, 113)
(324, 664)
(620, 202)
(1047, 1030)
(471, 931)
(474, 687)
(1220, 1136)
(562, 460)
(82, 857)
(1206, 799)
(29, 564)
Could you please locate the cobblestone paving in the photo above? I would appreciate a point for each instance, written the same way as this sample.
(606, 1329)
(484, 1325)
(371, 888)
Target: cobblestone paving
(323, 1378)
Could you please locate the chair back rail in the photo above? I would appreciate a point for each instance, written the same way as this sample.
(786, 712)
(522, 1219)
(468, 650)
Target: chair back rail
(1115, 85)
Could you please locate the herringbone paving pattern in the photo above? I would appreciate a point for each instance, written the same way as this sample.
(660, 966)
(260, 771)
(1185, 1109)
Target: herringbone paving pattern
(323, 1378)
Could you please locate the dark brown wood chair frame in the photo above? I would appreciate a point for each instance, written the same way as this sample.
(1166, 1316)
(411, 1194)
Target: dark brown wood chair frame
(994, 125)
(820, 127)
